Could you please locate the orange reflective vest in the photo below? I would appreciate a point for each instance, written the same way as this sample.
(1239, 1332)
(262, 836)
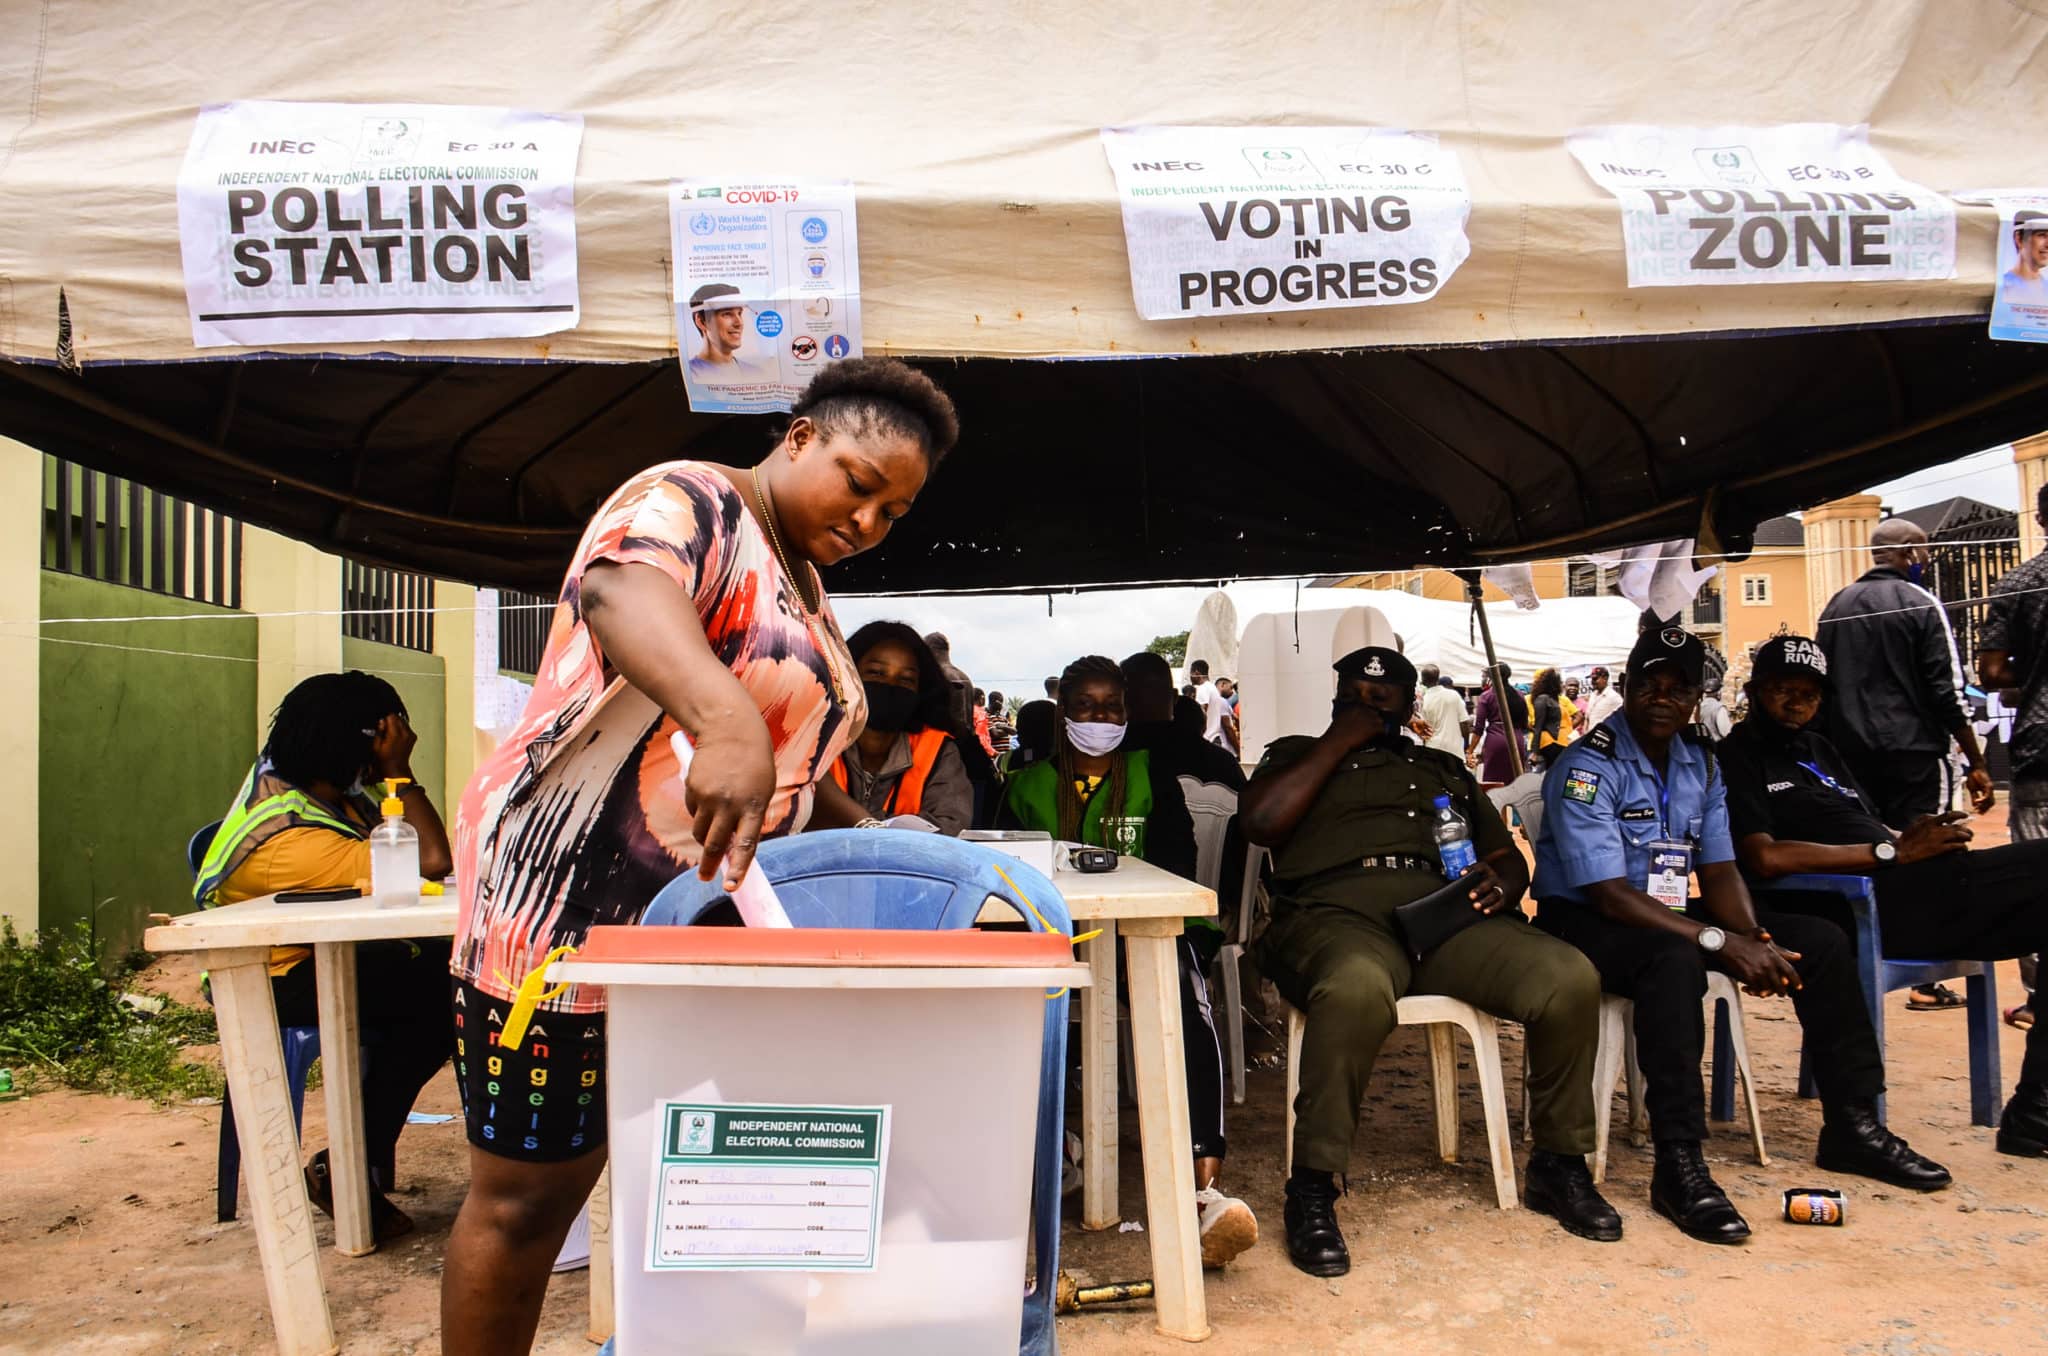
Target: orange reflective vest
(909, 793)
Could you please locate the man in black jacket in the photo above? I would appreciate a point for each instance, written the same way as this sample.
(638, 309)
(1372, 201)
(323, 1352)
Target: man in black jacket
(1898, 682)
(1794, 806)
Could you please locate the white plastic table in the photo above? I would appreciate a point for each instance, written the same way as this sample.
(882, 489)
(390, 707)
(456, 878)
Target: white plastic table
(1145, 904)
(234, 944)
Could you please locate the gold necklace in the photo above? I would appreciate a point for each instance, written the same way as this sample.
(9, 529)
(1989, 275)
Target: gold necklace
(805, 609)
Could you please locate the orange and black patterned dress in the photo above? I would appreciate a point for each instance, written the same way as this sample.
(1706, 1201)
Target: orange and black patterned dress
(577, 818)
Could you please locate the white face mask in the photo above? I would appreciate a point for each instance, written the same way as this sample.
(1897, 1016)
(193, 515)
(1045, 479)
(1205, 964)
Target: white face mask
(1094, 737)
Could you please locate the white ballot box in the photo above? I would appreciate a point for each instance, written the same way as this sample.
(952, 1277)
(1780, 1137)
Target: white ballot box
(821, 1139)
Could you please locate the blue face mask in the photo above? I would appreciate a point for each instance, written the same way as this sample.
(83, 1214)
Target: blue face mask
(1917, 572)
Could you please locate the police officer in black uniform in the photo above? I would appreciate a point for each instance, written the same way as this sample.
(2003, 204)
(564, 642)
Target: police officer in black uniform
(1794, 806)
(1350, 817)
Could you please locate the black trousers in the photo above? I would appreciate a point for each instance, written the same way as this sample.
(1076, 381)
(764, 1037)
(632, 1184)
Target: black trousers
(1665, 976)
(408, 1033)
(1991, 904)
(1904, 786)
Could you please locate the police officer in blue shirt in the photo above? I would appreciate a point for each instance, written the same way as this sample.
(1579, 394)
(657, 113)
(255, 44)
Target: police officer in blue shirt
(1630, 813)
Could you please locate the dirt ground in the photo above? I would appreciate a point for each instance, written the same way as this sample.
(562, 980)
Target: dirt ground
(107, 1239)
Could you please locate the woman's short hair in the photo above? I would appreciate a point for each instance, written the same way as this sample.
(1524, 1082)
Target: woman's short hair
(934, 694)
(864, 396)
(323, 729)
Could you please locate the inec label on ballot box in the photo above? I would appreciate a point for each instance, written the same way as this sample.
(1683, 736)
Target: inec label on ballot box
(767, 288)
(1806, 202)
(354, 223)
(1241, 220)
(768, 1188)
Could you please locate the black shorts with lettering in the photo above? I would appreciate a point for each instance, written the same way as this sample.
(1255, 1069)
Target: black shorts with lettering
(541, 1103)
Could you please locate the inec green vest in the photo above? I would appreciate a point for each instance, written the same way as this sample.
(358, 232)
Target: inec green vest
(1033, 798)
(266, 806)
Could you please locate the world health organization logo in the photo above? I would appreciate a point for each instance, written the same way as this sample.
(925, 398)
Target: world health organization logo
(702, 224)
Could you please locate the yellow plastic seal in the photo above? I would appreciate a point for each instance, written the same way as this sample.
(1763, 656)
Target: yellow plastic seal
(532, 992)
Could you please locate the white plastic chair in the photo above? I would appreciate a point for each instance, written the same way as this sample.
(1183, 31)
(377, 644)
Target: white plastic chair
(1230, 961)
(1439, 1014)
(1212, 807)
(1616, 1055)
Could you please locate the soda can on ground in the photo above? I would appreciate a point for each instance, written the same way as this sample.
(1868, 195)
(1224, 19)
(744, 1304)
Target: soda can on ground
(1816, 1205)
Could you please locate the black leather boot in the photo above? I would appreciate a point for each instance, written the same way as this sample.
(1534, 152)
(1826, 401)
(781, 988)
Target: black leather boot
(2023, 1129)
(1854, 1140)
(1561, 1186)
(1684, 1192)
(1314, 1242)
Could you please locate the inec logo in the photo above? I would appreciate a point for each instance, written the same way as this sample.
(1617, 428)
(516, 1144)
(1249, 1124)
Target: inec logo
(1279, 162)
(695, 1137)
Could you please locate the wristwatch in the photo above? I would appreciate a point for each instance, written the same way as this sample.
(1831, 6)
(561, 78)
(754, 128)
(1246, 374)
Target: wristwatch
(1712, 939)
(1886, 853)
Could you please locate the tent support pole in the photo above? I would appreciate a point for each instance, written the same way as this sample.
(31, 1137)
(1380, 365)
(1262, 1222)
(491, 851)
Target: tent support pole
(1475, 589)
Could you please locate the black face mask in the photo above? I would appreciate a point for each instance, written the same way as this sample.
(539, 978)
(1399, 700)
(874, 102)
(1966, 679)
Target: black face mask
(890, 708)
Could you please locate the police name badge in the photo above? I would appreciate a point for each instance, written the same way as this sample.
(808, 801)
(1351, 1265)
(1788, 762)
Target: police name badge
(1670, 873)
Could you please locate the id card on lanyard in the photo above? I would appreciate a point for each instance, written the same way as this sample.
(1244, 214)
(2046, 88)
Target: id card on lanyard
(1669, 879)
(1670, 873)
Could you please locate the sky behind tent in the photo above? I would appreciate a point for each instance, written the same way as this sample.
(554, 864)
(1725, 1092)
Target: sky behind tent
(1009, 644)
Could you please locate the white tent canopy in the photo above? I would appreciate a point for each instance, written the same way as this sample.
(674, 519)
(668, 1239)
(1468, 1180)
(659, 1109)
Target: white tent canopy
(989, 220)
(1512, 415)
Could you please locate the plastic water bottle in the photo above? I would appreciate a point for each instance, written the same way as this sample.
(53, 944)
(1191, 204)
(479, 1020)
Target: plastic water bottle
(394, 853)
(1453, 840)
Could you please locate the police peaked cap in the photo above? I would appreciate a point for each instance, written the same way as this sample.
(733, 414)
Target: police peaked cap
(1789, 656)
(1377, 664)
(1668, 645)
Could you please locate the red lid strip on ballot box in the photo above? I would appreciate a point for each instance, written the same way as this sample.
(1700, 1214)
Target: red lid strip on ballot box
(868, 947)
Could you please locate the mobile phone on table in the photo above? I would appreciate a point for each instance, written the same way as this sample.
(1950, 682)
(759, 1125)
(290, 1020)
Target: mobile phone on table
(319, 896)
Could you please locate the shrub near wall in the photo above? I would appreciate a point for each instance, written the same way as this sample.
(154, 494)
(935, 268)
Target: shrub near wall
(138, 750)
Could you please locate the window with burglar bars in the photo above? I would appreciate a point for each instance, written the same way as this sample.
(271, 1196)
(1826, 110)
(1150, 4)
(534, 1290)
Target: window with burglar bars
(523, 621)
(393, 607)
(104, 527)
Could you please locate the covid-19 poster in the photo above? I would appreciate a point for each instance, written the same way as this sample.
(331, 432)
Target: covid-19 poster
(767, 288)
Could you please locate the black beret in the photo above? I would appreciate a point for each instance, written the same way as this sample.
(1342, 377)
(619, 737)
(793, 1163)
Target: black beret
(1378, 664)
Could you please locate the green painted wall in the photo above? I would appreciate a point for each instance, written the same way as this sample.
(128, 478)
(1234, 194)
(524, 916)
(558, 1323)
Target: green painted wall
(137, 749)
(421, 682)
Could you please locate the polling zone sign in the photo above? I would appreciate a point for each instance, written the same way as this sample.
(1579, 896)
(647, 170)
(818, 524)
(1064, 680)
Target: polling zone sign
(1805, 202)
(1241, 220)
(346, 223)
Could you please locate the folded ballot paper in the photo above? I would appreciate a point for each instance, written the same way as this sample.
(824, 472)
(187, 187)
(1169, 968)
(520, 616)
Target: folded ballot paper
(756, 899)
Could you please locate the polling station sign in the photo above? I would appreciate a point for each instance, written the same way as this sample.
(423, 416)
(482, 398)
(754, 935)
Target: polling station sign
(1243, 220)
(1804, 202)
(305, 223)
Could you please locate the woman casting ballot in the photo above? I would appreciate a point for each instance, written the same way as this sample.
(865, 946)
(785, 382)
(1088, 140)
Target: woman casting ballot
(694, 604)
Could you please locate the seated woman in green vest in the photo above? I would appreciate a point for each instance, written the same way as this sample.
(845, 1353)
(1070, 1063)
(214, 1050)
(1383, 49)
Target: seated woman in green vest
(301, 821)
(907, 761)
(1094, 791)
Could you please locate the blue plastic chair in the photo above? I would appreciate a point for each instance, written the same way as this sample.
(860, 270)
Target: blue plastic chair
(301, 1048)
(887, 878)
(1882, 975)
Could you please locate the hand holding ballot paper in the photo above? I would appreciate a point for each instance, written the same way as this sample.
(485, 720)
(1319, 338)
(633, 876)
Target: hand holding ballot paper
(755, 897)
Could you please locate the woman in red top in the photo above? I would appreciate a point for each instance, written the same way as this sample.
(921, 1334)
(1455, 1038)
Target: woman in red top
(693, 604)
